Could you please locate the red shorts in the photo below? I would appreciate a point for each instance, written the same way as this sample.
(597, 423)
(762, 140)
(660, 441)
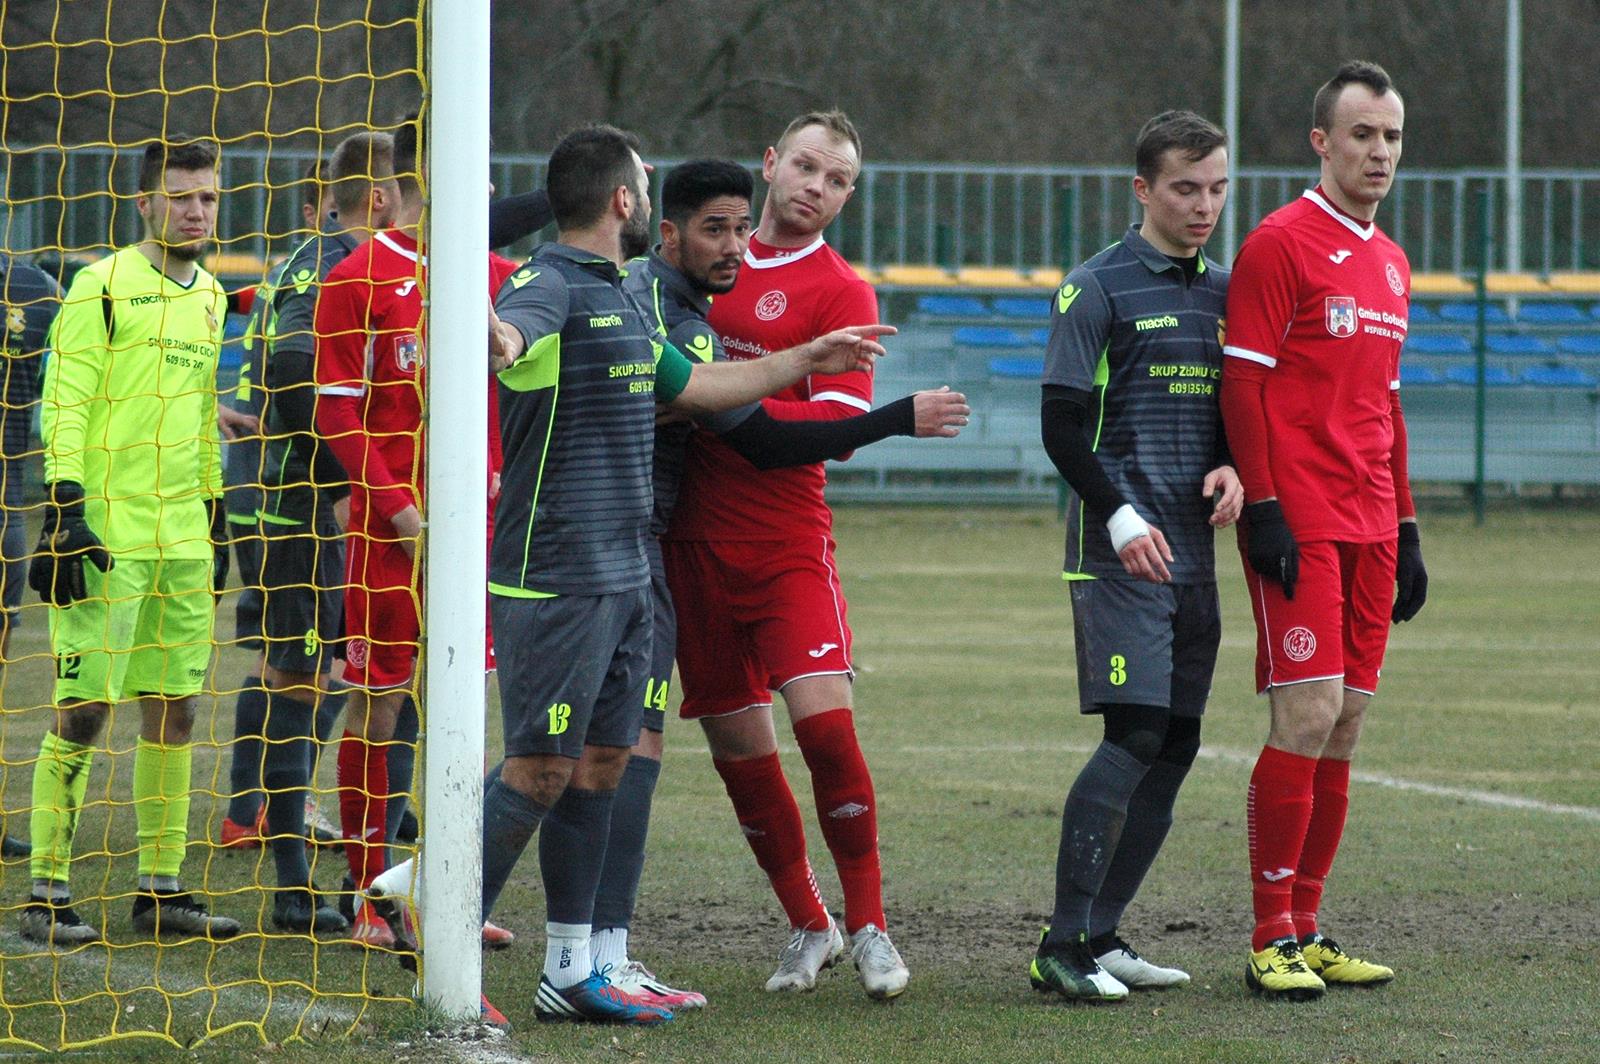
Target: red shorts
(381, 613)
(1336, 626)
(753, 617)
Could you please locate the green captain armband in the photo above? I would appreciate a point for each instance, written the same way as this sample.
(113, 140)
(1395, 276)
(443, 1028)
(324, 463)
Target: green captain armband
(672, 372)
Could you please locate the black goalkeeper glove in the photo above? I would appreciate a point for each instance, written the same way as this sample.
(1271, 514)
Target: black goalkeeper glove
(1270, 545)
(1411, 579)
(219, 544)
(65, 542)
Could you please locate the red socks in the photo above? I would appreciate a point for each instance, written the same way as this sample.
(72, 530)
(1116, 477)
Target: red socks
(847, 811)
(770, 820)
(1331, 798)
(1277, 811)
(363, 778)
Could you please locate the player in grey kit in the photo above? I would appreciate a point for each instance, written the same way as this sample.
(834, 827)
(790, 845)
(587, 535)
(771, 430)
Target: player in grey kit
(706, 227)
(1130, 418)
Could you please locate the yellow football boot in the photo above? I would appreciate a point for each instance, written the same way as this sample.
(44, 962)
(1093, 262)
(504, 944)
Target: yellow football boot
(1334, 965)
(1279, 971)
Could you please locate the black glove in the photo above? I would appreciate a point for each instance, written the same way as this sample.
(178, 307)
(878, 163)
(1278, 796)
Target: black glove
(65, 542)
(1410, 578)
(219, 544)
(1270, 545)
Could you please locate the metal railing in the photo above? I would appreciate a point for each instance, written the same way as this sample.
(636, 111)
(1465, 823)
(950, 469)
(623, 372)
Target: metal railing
(945, 214)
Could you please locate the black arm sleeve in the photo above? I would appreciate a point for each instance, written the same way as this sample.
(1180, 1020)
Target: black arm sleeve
(513, 217)
(772, 443)
(1063, 419)
(289, 377)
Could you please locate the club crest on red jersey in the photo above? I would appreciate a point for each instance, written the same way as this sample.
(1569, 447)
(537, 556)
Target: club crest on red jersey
(771, 305)
(1341, 315)
(405, 353)
(1392, 275)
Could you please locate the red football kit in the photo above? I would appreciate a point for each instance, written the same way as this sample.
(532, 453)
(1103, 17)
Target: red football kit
(749, 558)
(1317, 313)
(370, 357)
(750, 552)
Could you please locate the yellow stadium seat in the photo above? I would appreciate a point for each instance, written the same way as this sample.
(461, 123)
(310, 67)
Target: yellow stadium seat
(917, 276)
(866, 273)
(239, 264)
(1046, 277)
(1586, 283)
(1439, 284)
(1516, 284)
(992, 277)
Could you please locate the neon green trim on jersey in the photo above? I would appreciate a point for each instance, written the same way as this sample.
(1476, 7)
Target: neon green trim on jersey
(538, 367)
(1065, 575)
(538, 481)
(1201, 266)
(1102, 374)
(241, 519)
(519, 592)
(274, 519)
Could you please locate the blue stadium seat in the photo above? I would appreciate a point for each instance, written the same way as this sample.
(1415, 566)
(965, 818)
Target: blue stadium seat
(988, 336)
(1585, 345)
(1493, 376)
(1465, 313)
(1039, 337)
(1433, 344)
(1558, 377)
(1537, 313)
(1030, 309)
(1521, 346)
(1016, 368)
(1422, 314)
(1411, 376)
(935, 306)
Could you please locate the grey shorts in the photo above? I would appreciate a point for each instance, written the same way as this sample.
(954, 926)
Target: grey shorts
(12, 534)
(302, 576)
(663, 643)
(1145, 644)
(572, 670)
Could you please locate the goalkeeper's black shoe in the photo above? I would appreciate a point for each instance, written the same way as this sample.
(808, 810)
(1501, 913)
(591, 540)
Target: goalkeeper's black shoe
(56, 923)
(179, 913)
(15, 847)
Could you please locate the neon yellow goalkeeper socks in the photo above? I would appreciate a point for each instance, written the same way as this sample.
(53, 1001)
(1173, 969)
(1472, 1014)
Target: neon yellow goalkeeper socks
(161, 806)
(60, 780)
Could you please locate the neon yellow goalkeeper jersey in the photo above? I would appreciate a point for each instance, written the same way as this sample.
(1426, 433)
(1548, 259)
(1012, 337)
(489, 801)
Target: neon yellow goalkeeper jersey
(130, 404)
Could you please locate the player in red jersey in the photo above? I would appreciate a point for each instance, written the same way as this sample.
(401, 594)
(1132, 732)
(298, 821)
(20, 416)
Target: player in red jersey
(370, 381)
(1317, 314)
(749, 560)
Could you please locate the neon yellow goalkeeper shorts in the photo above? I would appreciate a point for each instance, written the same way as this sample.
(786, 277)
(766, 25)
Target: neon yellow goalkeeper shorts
(145, 629)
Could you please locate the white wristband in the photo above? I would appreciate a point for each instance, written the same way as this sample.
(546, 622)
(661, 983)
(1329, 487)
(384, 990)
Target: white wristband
(1126, 526)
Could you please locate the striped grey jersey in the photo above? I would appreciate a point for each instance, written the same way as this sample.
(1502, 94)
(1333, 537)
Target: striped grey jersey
(242, 458)
(1131, 329)
(577, 425)
(674, 306)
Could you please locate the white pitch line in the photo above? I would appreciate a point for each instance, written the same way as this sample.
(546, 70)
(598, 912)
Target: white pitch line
(1239, 757)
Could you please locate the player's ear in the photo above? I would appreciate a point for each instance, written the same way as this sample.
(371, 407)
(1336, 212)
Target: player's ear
(769, 164)
(1319, 141)
(1141, 190)
(669, 234)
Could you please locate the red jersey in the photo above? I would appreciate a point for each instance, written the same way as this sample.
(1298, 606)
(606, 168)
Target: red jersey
(370, 381)
(1318, 304)
(783, 298)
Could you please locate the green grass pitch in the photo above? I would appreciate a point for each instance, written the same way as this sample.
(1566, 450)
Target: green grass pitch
(1468, 862)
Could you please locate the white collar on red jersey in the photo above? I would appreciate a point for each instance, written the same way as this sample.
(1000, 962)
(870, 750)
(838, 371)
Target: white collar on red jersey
(754, 263)
(389, 242)
(1363, 231)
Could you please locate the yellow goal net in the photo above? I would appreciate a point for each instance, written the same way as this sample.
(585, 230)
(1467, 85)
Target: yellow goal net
(151, 751)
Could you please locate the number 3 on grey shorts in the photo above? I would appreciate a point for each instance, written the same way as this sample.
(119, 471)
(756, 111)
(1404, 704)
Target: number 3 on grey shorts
(1145, 644)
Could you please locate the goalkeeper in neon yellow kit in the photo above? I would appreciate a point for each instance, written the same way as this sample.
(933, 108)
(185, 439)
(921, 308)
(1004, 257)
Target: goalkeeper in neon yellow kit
(129, 556)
